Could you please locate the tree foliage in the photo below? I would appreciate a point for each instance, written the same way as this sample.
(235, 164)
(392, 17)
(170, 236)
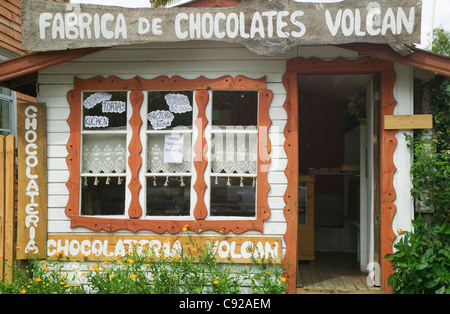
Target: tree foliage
(441, 41)
(160, 3)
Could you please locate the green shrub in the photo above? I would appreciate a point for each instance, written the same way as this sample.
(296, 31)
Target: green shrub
(422, 259)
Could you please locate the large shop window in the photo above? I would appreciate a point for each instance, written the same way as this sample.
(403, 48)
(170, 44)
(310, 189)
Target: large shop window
(164, 153)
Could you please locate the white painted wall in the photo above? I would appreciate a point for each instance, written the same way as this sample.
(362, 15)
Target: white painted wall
(403, 158)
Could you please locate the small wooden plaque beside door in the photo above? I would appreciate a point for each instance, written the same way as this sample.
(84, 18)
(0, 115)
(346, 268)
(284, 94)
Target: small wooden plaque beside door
(408, 122)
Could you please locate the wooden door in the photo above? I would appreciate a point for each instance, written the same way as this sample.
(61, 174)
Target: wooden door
(305, 233)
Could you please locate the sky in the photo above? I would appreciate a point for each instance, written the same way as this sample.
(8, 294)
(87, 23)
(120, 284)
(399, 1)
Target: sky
(441, 17)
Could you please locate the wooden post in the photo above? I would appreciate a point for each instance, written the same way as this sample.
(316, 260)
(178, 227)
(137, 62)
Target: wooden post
(388, 142)
(2, 205)
(9, 226)
(291, 195)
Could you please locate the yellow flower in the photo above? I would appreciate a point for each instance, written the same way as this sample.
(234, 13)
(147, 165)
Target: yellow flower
(216, 282)
(63, 276)
(194, 249)
(83, 274)
(130, 261)
(283, 279)
(133, 276)
(66, 286)
(184, 229)
(111, 276)
(42, 261)
(147, 265)
(399, 231)
(175, 256)
(38, 279)
(23, 291)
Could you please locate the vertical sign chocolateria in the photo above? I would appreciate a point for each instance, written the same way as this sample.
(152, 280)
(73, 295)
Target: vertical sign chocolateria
(32, 181)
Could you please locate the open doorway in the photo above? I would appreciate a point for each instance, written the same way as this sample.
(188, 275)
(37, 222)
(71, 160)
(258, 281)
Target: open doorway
(337, 168)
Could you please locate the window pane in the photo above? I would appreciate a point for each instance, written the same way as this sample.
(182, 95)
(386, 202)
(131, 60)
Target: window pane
(104, 153)
(234, 152)
(5, 91)
(103, 196)
(104, 110)
(235, 108)
(4, 114)
(169, 109)
(233, 196)
(169, 153)
(168, 196)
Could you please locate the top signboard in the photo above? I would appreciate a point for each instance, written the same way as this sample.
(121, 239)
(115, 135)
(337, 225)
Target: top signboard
(265, 27)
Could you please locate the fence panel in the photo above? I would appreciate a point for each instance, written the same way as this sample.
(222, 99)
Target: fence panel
(7, 201)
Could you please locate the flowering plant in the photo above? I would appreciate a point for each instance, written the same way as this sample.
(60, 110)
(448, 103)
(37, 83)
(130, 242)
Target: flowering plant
(148, 272)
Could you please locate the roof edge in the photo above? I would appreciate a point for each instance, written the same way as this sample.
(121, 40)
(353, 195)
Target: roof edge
(13, 71)
(418, 58)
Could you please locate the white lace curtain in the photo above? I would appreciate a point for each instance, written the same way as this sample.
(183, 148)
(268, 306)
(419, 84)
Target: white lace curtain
(235, 150)
(155, 155)
(104, 153)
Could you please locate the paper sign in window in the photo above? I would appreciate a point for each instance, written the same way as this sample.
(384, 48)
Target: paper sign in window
(114, 106)
(173, 148)
(160, 119)
(178, 103)
(94, 99)
(96, 122)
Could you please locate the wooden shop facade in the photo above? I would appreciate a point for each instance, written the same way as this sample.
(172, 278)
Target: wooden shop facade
(276, 125)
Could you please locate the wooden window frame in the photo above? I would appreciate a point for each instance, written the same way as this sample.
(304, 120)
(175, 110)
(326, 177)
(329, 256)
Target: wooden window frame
(137, 85)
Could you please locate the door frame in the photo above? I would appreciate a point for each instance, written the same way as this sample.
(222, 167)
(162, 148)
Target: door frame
(387, 143)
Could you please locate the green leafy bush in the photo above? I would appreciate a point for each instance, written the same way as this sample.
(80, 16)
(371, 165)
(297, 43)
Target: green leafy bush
(422, 259)
(431, 175)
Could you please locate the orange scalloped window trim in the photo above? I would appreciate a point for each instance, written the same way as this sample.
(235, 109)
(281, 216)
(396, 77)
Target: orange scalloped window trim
(137, 85)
